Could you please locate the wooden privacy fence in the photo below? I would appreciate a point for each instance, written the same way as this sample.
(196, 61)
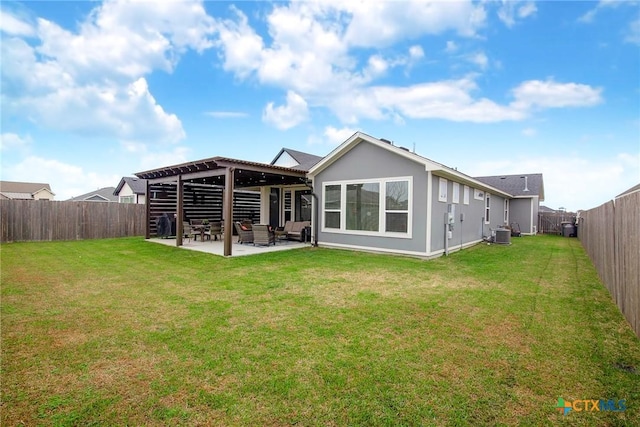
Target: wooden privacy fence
(33, 220)
(610, 235)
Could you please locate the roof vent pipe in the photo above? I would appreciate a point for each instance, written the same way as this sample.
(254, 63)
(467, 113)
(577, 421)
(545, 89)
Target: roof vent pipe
(386, 140)
(526, 183)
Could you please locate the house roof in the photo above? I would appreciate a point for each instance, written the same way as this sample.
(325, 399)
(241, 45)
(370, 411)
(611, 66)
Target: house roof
(524, 185)
(629, 191)
(305, 160)
(137, 185)
(22, 190)
(544, 209)
(100, 195)
(430, 165)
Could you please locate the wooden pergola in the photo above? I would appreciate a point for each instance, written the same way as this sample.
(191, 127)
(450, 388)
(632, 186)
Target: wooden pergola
(221, 171)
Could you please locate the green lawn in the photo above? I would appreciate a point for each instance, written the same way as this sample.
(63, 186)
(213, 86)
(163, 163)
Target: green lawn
(123, 331)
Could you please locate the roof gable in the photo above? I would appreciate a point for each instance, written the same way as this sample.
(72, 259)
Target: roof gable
(137, 185)
(295, 159)
(104, 194)
(30, 188)
(429, 165)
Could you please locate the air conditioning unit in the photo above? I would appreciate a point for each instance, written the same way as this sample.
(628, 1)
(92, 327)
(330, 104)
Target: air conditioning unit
(503, 236)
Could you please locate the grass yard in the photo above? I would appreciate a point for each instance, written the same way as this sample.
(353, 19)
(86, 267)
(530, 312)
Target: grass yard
(115, 332)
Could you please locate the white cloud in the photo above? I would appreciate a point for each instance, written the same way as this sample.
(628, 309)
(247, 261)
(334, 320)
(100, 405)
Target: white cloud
(451, 47)
(530, 132)
(571, 180)
(632, 34)
(378, 24)
(416, 52)
(480, 59)
(91, 79)
(66, 180)
(10, 141)
(550, 94)
(12, 25)
(590, 15)
(289, 115)
(338, 136)
(512, 9)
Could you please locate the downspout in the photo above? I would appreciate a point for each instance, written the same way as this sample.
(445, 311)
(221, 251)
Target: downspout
(315, 211)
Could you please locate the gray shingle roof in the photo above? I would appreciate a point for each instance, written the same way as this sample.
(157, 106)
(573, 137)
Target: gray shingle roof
(138, 185)
(100, 195)
(305, 160)
(515, 184)
(629, 191)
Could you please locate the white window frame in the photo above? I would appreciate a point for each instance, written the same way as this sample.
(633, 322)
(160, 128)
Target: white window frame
(506, 211)
(478, 194)
(127, 199)
(442, 189)
(382, 208)
(487, 208)
(455, 193)
(325, 210)
(395, 211)
(465, 195)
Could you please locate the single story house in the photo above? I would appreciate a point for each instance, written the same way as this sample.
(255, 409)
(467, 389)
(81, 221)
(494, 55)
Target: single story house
(367, 194)
(373, 195)
(25, 191)
(131, 189)
(104, 194)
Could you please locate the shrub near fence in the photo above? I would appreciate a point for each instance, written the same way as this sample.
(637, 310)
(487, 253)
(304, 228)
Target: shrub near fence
(610, 235)
(35, 220)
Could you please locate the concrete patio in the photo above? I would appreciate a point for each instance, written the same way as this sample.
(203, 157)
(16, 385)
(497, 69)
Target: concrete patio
(216, 247)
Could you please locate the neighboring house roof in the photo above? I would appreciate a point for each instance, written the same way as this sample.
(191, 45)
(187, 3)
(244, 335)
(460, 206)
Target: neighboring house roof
(629, 191)
(517, 185)
(304, 160)
(22, 190)
(100, 195)
(430, 165)
(137, 185)
(545, 209)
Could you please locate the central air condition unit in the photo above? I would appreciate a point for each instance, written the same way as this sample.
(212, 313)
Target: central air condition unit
(503, 236)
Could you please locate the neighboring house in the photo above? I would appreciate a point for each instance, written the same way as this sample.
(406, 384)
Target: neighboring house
(100, 195)
(291, 202)
(25, 191)
(131, 190)
(376, 196)
(546, 209)
(633, 189)
(295, 159)
(527, 191)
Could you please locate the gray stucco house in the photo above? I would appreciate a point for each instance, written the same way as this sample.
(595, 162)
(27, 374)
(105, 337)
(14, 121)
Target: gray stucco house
(373, 195)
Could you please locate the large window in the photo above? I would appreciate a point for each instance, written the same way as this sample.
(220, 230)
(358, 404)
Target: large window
(397, 206)
(377, 207)
(363, 206)
(465, 195)
(332, 206)
(127, 199)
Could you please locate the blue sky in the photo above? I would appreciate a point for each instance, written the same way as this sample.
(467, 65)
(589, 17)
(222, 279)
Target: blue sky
(93, 91)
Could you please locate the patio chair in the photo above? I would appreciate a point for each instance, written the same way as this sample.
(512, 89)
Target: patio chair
(215, 229)
(281, 232)
(262, 235)
(188, 231)
(244, 235)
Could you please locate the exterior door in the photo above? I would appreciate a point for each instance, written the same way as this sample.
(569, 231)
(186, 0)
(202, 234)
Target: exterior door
(274, 207)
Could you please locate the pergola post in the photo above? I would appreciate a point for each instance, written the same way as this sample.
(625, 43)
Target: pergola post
(228, 209)
(147, 210)
(179, 211)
